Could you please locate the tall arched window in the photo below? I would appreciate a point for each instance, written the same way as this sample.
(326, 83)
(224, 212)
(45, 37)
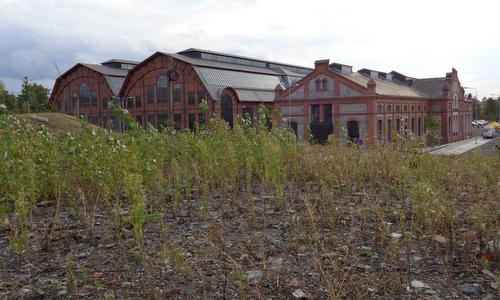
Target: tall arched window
(84, 95)
(227, 109)
(161, 88)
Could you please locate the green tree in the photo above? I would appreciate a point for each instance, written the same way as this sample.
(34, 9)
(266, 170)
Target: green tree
(490, 108)
(33, 98)
(7, 99)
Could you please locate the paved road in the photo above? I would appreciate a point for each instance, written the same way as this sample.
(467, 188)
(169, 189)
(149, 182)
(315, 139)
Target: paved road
(488, 148)
(464, 146)
(476, 143)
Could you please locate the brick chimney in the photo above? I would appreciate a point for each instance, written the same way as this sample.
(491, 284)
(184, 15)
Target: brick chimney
(322, 64)
(371, 85)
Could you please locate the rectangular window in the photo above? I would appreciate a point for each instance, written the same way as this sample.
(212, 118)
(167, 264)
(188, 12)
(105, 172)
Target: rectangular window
(201, 118)
(130, 102)
(328, 109)
(314, 113)
(94, 98)
(177, 92)
(178, 121)
(201, 96)
(192, 121)
(380, 108)
(380, 126)
(405, 108)
(248, 113)
(191, 98)
(150, 94)
(162, 90)
(104, 103)
(389, 130)
(138, 120)
(389, 108)
(84, 100)
(398, 108)
(419, 128)
(162, 121)
(152, 120)
(138, 102)
(106, 122)
(114, 123)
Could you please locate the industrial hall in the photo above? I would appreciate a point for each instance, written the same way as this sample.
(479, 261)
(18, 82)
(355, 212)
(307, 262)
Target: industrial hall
(364, 106)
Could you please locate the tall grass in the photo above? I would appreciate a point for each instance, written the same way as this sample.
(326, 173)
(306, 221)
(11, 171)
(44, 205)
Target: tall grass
(145, 170)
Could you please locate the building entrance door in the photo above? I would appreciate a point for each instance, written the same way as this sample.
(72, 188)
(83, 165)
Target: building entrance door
(353, 131)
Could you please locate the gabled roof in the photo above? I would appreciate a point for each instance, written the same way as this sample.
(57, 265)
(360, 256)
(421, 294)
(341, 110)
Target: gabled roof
(121, 61)
(115, 83)
(104, 70)
(228, 66)
(430, 87)
(383, 86)
(192, 50)
(248, 86)
(250, 83)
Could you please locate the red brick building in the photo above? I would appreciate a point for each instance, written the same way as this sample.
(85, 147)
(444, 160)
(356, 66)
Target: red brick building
(86, 89)
(231, 85)
(366, 106)
(369, 106)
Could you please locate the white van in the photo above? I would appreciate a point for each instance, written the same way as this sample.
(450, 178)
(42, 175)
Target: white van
(489, 132)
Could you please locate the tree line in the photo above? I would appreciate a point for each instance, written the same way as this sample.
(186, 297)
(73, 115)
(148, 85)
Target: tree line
(487, 109)
(33, 98)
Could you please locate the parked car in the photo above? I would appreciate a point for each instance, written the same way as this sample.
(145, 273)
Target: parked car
(489, 132)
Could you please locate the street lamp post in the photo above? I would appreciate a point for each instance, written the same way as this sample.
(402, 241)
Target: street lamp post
(476, 101)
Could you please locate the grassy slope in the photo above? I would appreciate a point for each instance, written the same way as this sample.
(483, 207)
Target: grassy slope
(56, 121)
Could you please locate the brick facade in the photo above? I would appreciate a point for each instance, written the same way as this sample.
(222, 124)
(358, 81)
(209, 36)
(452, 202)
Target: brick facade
(166, 89)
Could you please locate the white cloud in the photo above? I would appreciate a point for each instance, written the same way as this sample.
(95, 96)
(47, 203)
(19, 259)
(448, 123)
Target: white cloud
(423, 39)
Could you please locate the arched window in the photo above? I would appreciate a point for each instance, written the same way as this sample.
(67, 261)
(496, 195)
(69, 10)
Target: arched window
(161, 88)
(398, 125)
(227, 109)
(84, 95)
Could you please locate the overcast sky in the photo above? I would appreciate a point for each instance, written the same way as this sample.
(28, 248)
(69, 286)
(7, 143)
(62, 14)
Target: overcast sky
(418, 38)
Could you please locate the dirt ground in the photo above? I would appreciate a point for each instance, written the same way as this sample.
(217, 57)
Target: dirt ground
(308, 247)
